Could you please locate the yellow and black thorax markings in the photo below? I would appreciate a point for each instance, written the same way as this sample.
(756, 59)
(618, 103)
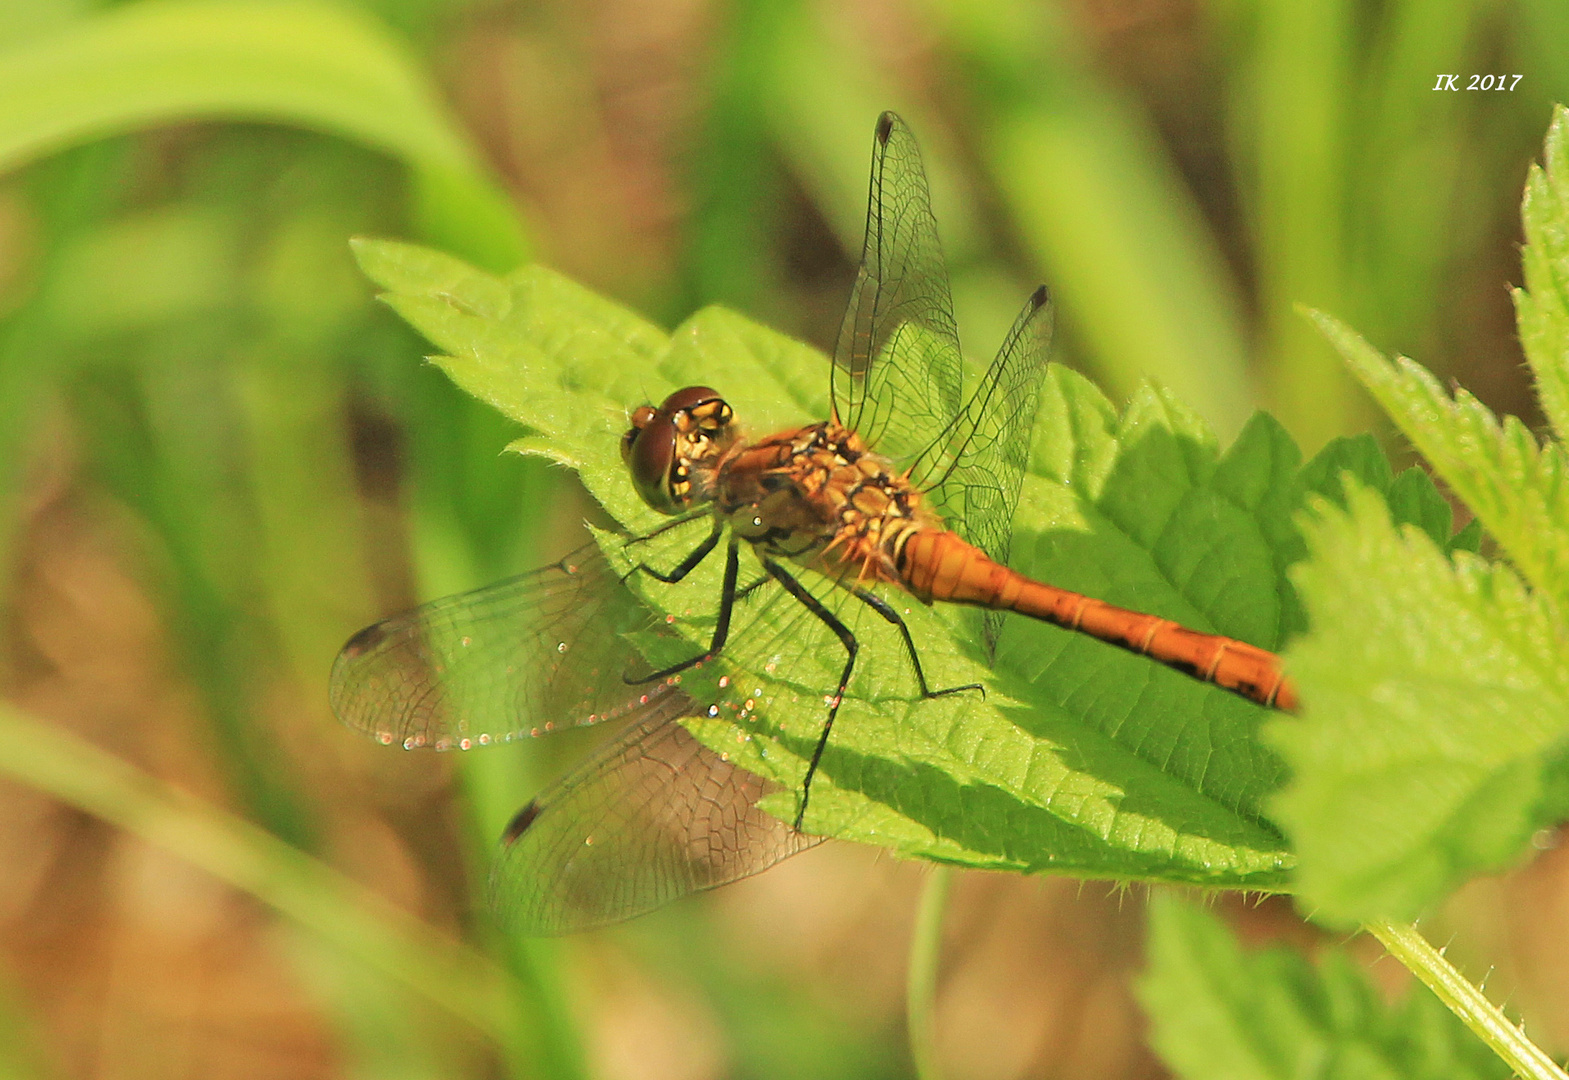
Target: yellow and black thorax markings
(817, 492)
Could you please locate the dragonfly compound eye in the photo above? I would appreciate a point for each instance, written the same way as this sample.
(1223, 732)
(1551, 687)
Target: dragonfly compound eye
(649, 450)
(672, 451)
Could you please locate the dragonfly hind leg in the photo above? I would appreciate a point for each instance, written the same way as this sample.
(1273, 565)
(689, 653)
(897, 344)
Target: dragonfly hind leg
(851, 647)
(883, 608)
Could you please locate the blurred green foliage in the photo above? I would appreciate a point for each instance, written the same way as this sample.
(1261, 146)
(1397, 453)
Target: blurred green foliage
(182, 331)
(1219, 1011)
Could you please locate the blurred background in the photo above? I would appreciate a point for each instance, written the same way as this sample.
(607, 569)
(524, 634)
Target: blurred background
(219, 457)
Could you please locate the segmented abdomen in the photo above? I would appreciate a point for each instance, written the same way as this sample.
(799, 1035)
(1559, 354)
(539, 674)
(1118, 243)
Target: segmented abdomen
(938, 565)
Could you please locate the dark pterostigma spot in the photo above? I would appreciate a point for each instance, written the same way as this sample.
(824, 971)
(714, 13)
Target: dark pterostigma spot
(366, 640)
(519, 825)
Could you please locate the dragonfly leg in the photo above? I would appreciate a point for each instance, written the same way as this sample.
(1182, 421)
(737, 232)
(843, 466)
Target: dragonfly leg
(851, 647)
(674, 523)
(727, 596)
(688, 564)
(883, 608)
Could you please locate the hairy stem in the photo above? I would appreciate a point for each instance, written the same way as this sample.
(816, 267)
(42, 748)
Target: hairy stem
(1465, 1000)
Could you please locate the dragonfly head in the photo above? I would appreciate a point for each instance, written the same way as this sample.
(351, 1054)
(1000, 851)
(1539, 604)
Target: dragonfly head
(672, 451)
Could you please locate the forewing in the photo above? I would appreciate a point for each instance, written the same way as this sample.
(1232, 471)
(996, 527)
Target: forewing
(989, 447)
(897, 373)
(653, 816)
(519, 657)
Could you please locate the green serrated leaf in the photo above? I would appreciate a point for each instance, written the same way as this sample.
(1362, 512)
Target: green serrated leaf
(1079, 757)
(1517, 488)
(1219, 1013)
(1412, 496)
(1413, 500)
(410, 270)
(1433, 687)
(1358, 455)
(1542, 307)
(1360, 458)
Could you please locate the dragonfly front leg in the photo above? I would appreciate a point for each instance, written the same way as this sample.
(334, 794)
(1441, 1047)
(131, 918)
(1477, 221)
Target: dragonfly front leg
(688, 564)
(727, 597)
(851, 647)
(883, 608)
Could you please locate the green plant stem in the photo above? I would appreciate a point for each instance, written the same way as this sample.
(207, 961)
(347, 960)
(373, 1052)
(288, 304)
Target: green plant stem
(925, 953)
(1466, 1001)
(342, 914)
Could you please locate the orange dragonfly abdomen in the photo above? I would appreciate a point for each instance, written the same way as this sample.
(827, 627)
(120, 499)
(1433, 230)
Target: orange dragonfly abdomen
(936, 564)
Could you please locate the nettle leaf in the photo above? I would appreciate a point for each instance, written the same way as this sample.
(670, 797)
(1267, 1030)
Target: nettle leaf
(1517, 488)
(1542, 307)
(1219, 1013)
(1412, 498)
(1435, 733)
(1435, 699)
(1079, 757)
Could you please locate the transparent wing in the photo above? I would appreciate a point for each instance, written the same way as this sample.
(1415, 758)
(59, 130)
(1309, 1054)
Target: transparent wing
(897, 371)
(520, 657)
(897, 368)
(989, 447)
(653, 816)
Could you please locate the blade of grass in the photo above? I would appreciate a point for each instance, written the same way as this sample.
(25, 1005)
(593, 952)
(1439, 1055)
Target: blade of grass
(1409, 161)
(341, 913)
(819, 98)
(21, 1056)
(69, 197)
(464, 489)
(729, 257)
(1298, 104)
(921, 982)
(1105, 217)
(316, 65)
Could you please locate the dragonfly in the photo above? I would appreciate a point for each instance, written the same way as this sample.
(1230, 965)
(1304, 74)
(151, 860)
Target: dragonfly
(909, 486)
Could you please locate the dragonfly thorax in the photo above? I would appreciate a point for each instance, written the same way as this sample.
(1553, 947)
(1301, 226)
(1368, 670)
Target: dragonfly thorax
(820, 496)
(673, 452)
